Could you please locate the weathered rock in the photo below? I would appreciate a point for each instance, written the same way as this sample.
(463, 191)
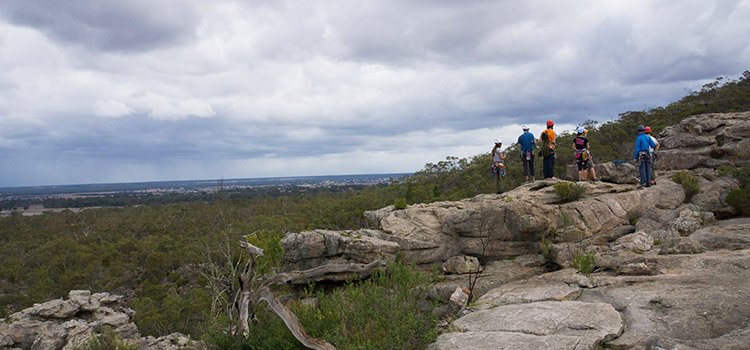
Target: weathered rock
(681, 245)
(731, 234)
(537, 325)
(708, 141)
(634, 269)
(459, 297)
(712, 195)
(310, 249)
(616, 259)
(70, 324)
(699, 299)
(461, 264)
(636, 242)
(621, 173)
(555, 286)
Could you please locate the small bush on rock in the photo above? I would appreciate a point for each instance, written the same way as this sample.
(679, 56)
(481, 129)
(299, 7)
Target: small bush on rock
(739, 198)
(689, 182)
(568, 191)
(399, 203)
(105, 341)
(585, 263)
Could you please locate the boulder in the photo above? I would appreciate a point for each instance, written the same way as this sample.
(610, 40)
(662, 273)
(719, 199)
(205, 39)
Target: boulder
(705, 141)
(636, 242)
(461, 264)
(311, 249)
(620, 173)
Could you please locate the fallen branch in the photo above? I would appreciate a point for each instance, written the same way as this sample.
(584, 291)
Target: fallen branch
(254, 290)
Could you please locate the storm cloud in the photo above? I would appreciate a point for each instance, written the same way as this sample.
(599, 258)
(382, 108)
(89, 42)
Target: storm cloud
(159, 90)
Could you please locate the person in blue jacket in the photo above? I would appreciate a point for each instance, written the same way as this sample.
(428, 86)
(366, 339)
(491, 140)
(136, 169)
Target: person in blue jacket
(526, 143)
(642, 154)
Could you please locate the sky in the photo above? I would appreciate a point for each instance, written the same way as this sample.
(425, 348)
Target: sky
(96, 91)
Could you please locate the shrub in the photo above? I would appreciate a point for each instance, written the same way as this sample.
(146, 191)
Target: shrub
(689, 182)
(399, 203)
(739, 199)
(384, 312)
(584, 262)
(105, 341)
(568, 191)
(545, 246)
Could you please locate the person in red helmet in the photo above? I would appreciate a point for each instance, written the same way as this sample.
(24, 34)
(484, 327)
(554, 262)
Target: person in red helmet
(653, 151)
(548, 150)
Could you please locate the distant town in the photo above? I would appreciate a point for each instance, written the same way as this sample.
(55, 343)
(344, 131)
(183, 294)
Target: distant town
(35, 200)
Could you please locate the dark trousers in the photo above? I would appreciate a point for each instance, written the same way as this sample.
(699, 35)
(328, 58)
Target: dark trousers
(528, 165)
(645, 169)
(549, 166)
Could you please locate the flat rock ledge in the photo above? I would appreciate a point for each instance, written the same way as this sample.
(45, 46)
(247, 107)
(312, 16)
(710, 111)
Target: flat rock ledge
(571, 325)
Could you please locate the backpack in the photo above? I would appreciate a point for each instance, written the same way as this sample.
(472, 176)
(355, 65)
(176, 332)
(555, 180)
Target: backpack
(545, 151)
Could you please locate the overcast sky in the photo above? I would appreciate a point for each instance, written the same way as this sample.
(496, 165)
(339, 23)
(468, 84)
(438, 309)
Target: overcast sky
(141, 90)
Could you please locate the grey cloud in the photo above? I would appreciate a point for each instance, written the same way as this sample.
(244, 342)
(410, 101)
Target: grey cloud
(122, 25)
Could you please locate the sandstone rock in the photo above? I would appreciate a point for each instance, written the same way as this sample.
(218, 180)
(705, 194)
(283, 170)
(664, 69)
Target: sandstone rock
(616, 259)
(459, 297)
(639, 241)
(538, 325)
(681, 245)
(540, 288)
(622, 173)
(310, 249)
(712, 195)
(70, 324)
(461, 265)
(699, 299)
(708, 141)
(731, 234)
(633, 269)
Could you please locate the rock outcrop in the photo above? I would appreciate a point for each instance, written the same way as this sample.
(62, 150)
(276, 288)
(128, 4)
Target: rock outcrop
(706, 141)
(667, 275)
(70, 324)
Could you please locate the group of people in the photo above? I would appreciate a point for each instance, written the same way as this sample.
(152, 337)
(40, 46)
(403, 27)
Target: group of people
(645, 154)
(527, 145)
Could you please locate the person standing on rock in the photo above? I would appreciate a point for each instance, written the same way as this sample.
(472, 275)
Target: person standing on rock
(590, 164)
(581, 145)
(653, 154)
(526, 144)
(548, 150)
(642, 155)
(498, 164)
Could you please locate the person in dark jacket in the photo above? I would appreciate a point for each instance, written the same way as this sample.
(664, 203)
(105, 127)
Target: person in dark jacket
(642, 155)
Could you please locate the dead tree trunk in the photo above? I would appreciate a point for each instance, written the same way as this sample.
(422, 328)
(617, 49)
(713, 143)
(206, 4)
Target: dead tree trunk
(253, 290)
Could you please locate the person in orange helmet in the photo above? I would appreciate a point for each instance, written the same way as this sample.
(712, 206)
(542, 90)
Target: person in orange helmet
(548, 150)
